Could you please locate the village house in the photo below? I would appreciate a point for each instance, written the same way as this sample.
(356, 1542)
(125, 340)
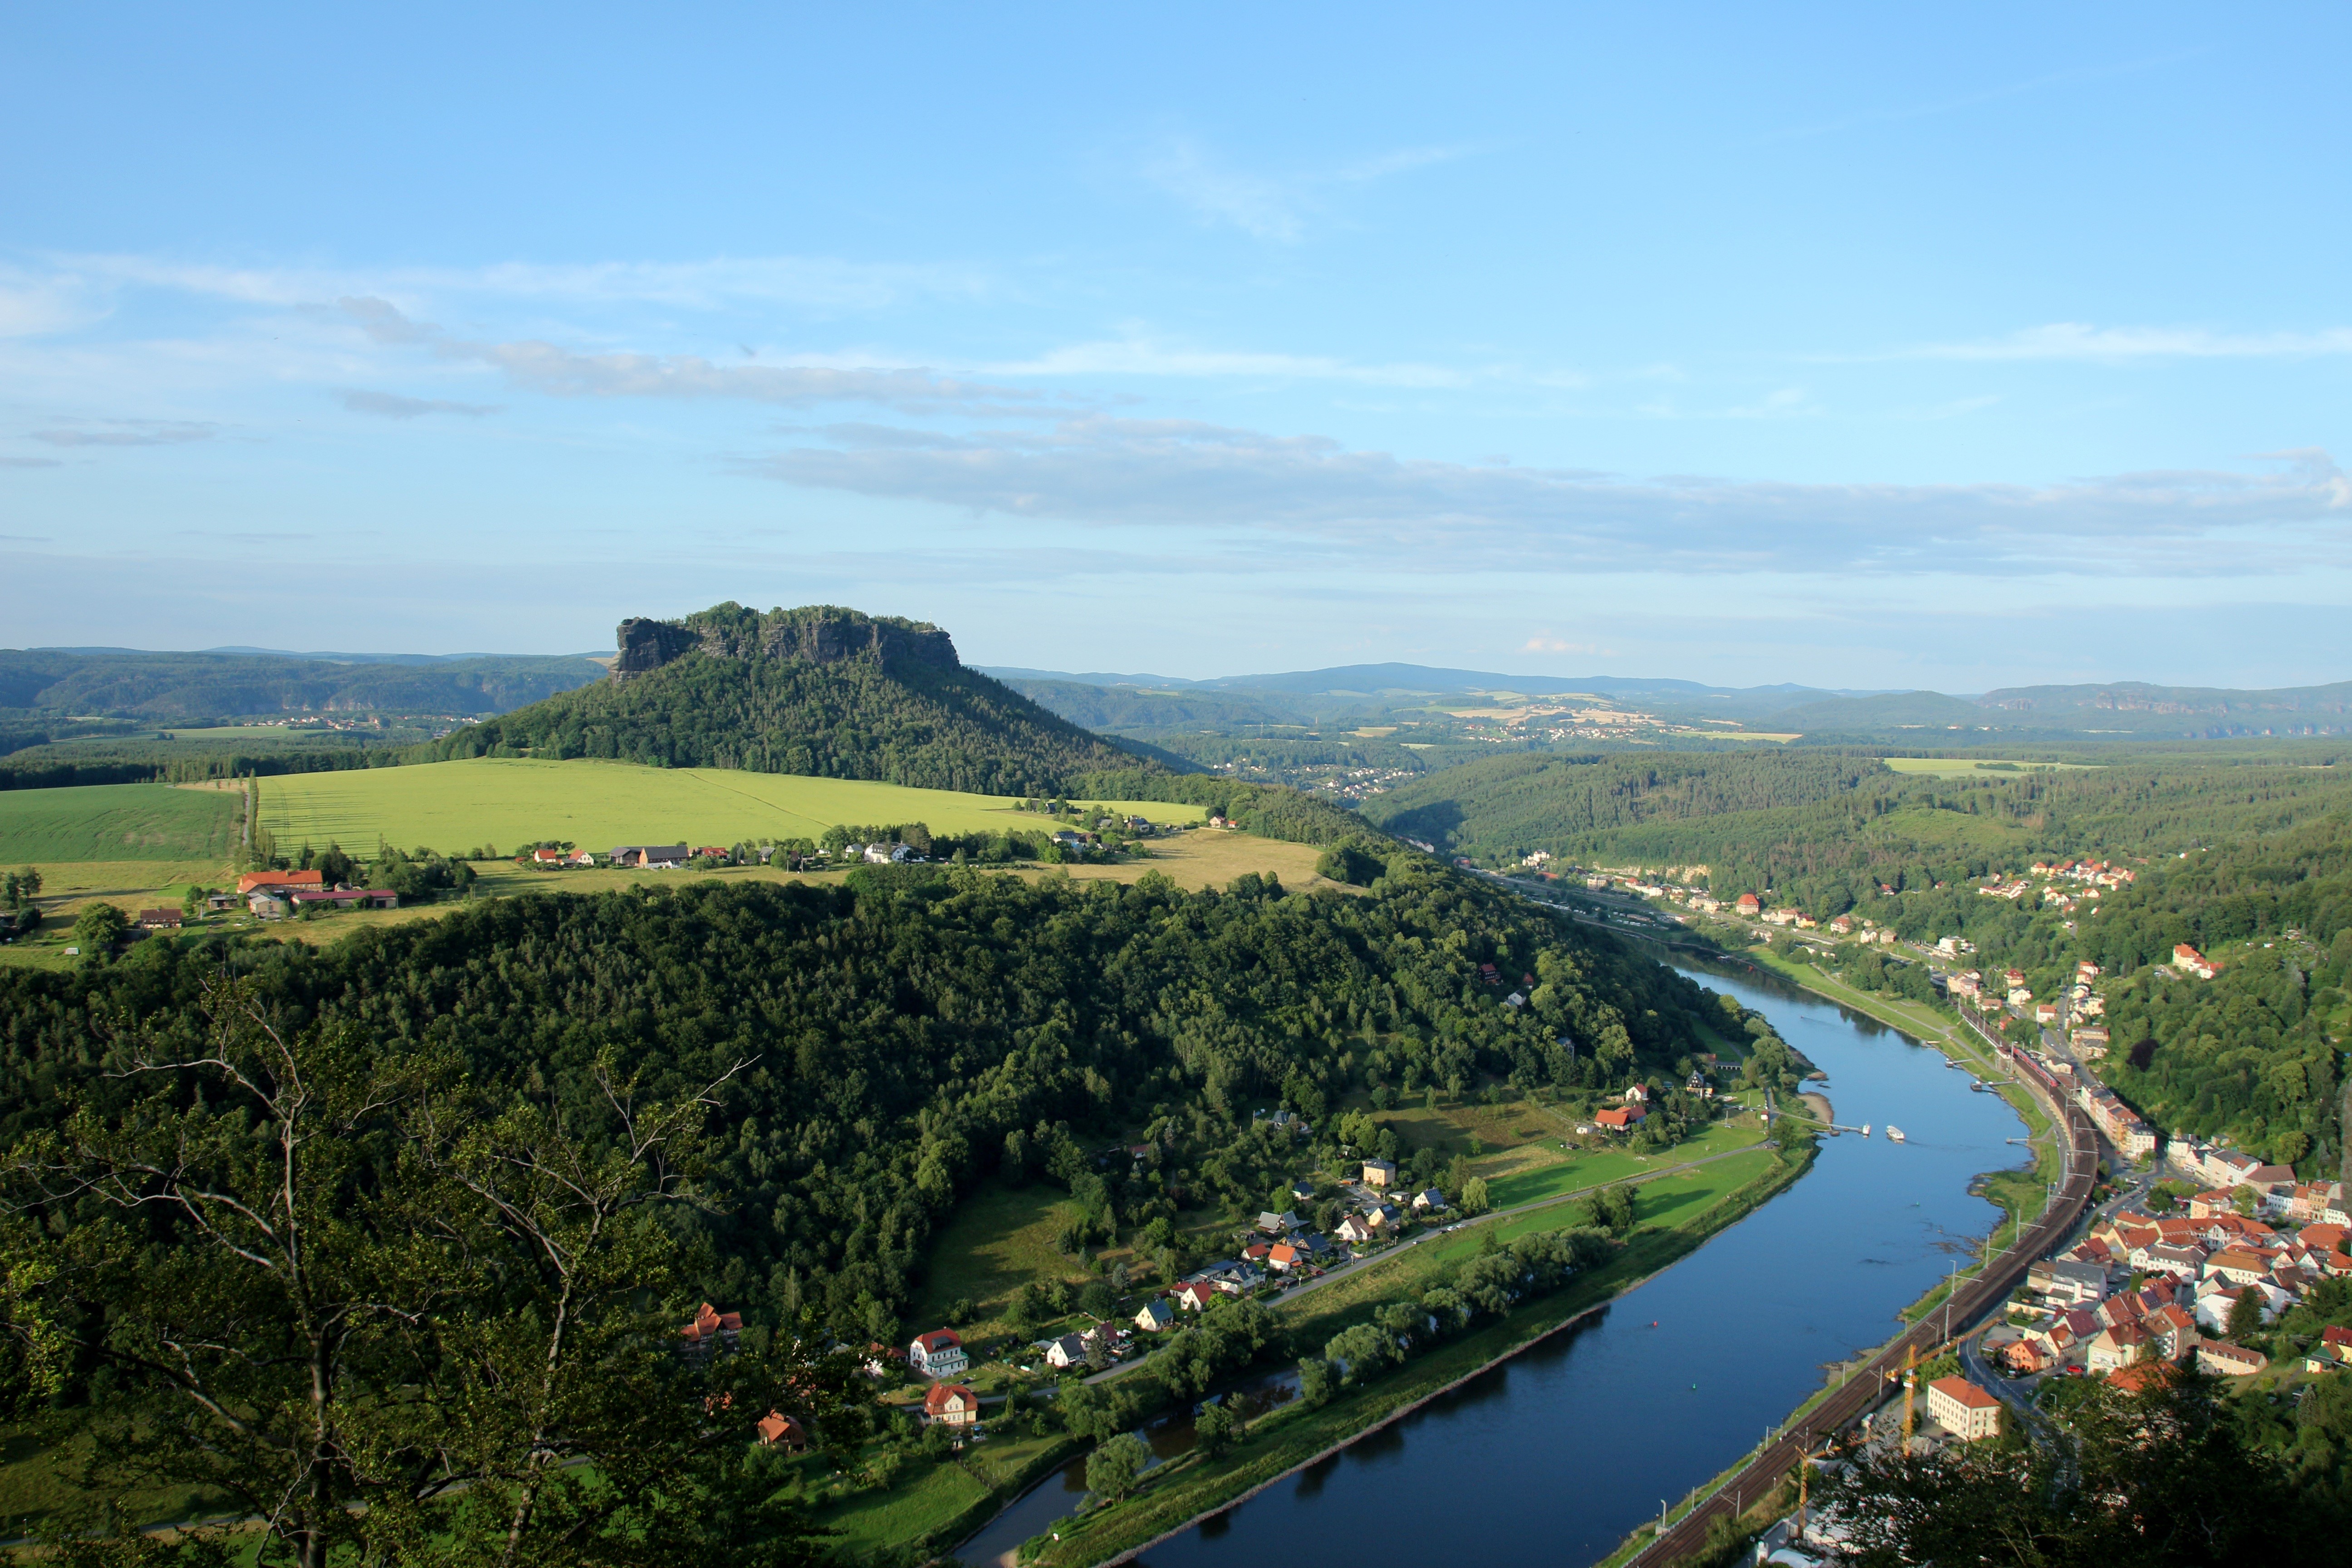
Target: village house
(1355, 1230)
(2173, 1331)
(158, 920)
(939, 1353)
(1423, 1202)
(1638, 1094)
(1749, 904)
(1282, 1258)
(951, 1404)
(650, 856)
(711, 1330)
(1155, 1317)
(2223, 1359)
(1618, 1118)
(2188, 960)
(2114, 1349)
(1068, 1350)
(1963, 1409)
(1281, 1224)
(778, 1430)
(287, 879)
(345, 899)
(1380, 1173)
(1196, 1296)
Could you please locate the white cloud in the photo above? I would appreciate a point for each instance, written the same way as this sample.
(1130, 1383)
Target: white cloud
(1304, 494)
(391, 406)
(816, 283)
(127, 432)
(2080, 341)
(558, 372)
(1545, 643)
(1138, 354)
(1265, 207)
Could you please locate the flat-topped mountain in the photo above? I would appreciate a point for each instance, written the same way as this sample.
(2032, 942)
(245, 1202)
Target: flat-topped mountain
(817, 690)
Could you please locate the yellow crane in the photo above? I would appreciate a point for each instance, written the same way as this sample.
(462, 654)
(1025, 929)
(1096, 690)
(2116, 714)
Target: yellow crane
(1910, 1388)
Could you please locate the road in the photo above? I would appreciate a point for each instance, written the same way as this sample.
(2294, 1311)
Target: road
(1987, 1289)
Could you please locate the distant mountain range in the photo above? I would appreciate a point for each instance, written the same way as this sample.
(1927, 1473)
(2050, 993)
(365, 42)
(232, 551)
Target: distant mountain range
(190, 688)
(2132, 710)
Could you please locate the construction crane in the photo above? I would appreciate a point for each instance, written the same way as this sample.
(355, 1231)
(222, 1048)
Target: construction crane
(1910, 1389)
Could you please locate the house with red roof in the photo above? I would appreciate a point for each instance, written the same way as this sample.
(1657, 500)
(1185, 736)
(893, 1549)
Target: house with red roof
(939, 1353)
(951, 1404)
(711, 1330)
(1963, 1409)
(778, 1430)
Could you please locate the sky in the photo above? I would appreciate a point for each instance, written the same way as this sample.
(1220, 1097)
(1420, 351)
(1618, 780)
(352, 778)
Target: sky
(1860, 346)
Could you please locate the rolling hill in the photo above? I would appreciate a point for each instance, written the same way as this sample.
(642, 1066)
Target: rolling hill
(183, 688)
(819, 690)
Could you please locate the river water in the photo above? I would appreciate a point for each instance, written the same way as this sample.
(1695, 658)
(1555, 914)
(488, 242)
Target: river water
(1553, 1457)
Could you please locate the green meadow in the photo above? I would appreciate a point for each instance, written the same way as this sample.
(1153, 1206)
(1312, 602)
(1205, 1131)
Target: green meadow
(502, 802)
(117, 823)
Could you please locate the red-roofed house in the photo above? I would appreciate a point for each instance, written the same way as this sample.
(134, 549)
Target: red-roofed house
(2226, 1360)
(711, 1330)
(252, 879)
(2141, 1375)
(951, 1404)
(1621, 1117)
(778, 1430)
(939, 1353)
(1963, 1409)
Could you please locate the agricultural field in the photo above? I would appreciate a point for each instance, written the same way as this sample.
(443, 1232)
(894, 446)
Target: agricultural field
(116, 823)
(1971, 767)
(499, 803)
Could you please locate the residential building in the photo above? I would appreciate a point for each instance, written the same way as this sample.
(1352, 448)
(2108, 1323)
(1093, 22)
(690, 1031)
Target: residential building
(253, 879)
(2115, 1348)
(1355, 1230)
(1963, 1409)
(778, 1430)
(1196, 1296)
(939, 1353)
(651, 857)
(2225, 1360)
(159, 920)
(1068, 1350)
(711, 1330)
(1155, 1317)
(1379, 1173)
(345, 899)
(1620, 1118)
(1282, 1258)
(2068, 1283)
(951, 1404)
(1423, 1202)
(2190, 960)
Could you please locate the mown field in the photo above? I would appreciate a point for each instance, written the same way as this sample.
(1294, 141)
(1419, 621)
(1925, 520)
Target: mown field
(116, 823)
(497, 803)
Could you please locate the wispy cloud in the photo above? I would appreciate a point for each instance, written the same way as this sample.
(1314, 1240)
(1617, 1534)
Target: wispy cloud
(391, 406)
(815, 282)
(127, 432)
(1899, 113)
(1301, 494)
(557, 372)
(2080, 341)
(1270, 207)
(1139, 355)
(1544, 642)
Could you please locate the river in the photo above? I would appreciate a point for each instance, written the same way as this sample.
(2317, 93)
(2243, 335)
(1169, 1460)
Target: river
(1553, 1457)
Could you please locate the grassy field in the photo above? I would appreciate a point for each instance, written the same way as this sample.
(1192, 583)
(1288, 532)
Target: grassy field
(1584, 1169)
(500, 803)
(1000, 1239)
(116, 823)
(1962, 767)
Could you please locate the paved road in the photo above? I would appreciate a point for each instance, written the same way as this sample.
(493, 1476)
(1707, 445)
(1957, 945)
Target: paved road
(1977, 1296)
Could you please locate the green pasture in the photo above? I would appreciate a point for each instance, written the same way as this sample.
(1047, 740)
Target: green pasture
(1588, 1170)
(117, 823)
(999, 1239)
(502, 802)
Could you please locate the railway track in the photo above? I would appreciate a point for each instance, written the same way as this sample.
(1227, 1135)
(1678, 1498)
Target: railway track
(1986, 1290)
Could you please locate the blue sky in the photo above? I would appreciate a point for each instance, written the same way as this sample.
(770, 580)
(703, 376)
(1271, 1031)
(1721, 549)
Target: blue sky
(1844, 346)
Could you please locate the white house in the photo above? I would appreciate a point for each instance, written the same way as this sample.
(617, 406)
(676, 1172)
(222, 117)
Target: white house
(939, 1353)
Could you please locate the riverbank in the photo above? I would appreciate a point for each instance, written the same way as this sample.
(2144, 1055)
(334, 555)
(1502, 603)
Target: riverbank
(1183, 1493)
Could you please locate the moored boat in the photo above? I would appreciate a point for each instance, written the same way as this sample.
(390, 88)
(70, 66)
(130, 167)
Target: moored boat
(1893, 1133)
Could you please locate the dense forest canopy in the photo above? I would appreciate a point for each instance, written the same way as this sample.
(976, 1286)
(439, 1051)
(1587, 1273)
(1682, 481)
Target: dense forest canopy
(825, 693)
(897, 1044)
(181, 688)
(1826, 829)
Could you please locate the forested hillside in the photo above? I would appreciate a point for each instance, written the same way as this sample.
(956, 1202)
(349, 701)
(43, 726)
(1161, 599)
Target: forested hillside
(181, 688)
(821, 691)
(1828, 829)
(896, 1046)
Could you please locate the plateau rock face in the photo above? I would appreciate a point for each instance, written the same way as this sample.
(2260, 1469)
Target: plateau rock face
(813, 634)
(646, 646)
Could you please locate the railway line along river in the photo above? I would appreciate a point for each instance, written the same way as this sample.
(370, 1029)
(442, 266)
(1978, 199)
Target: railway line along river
(1553, 1457)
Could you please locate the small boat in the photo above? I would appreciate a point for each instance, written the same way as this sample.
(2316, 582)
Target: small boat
(1893, 1133)
(1865, 1130)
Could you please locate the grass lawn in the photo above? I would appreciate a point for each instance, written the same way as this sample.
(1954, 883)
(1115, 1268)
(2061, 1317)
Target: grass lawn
(1584, 1169)
(38, 1462)
(500, 802)
(1000, 1239)
(921, 1501)
(113, 824)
